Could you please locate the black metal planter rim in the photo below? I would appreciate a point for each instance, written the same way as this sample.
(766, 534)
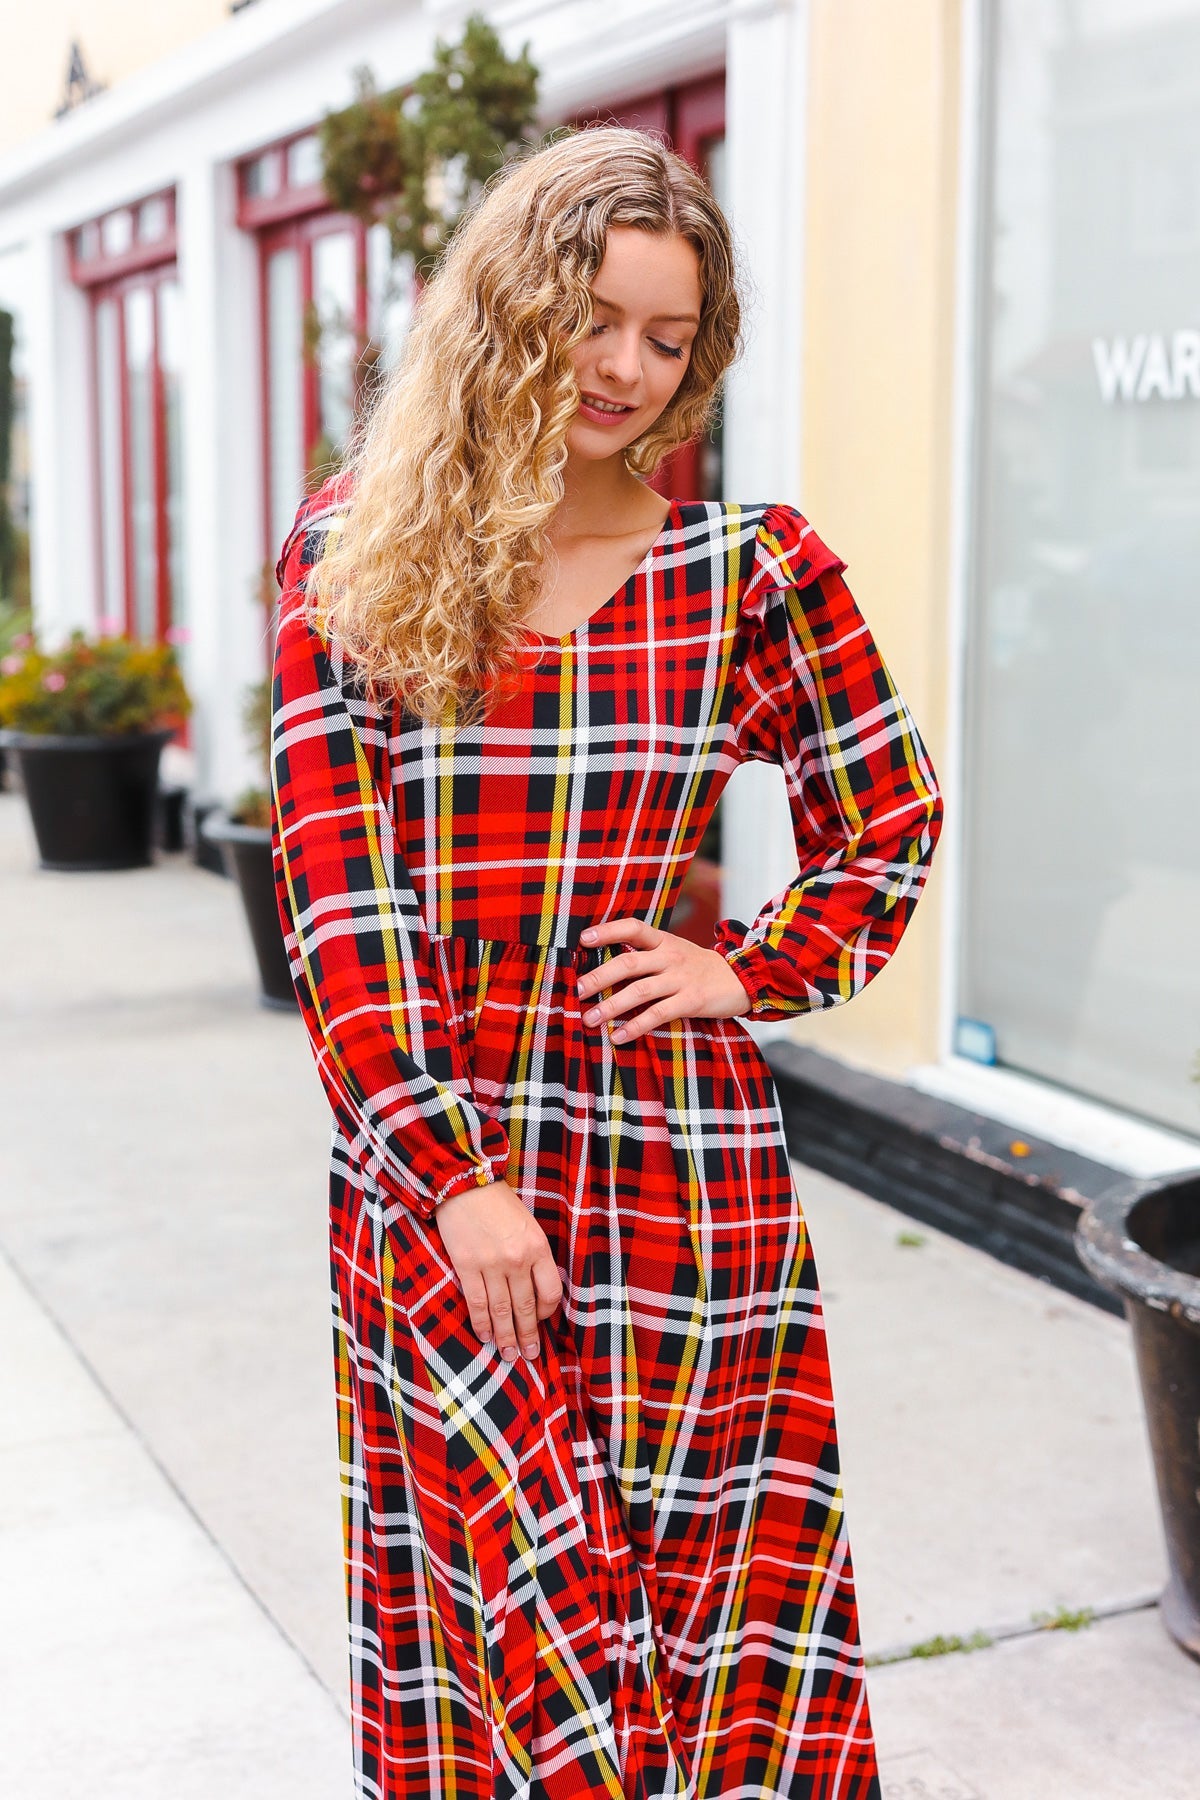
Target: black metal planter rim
(1120, 1264)
(219, 826)
(50, 740)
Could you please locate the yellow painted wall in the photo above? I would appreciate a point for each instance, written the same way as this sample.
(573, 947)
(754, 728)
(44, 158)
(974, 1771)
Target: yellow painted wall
(116, 38)
(877, 404)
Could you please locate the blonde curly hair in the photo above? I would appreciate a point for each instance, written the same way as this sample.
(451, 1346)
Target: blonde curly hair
(458, 467)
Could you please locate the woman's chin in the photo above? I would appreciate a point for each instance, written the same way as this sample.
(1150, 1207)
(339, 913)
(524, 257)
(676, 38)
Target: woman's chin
(594, 443)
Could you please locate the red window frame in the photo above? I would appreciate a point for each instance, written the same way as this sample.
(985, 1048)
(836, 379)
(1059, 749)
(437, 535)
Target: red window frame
(146, 262)
(301, 234)
(89, 268)
(150, 279)
(690, 117)
(294, 216)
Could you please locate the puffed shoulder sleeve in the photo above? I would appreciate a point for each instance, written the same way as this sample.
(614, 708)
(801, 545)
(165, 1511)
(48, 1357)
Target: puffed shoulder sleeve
(374, 996)
(815, 697)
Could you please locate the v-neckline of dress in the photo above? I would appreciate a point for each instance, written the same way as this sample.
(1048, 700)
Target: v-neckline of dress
(580, 630)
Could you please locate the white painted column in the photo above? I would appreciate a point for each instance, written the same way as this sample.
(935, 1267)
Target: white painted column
(62, 538)
(222, 480)
(766, 89)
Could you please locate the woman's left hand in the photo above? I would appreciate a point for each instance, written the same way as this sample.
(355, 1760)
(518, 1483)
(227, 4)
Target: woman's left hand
(677, 978)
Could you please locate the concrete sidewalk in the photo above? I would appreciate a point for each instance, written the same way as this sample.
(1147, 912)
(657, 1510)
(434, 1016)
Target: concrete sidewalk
(170, 1575)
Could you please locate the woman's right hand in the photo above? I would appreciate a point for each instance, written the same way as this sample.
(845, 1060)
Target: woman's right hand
(504, 1264)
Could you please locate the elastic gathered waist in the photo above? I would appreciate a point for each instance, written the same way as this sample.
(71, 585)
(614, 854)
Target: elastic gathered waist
(540, 949)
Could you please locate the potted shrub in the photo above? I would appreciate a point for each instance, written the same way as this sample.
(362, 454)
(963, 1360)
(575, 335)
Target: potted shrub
(86, 725)
(16, 634)
(1142, 1241)
(242, 834)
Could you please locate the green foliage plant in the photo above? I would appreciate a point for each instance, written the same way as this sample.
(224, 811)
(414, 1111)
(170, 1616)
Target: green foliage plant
(16, 627)
(91, 687)
(253, 804)
(417, 157)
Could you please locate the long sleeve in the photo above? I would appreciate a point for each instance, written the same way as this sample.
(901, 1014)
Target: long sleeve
(815, 697)
(364, 967)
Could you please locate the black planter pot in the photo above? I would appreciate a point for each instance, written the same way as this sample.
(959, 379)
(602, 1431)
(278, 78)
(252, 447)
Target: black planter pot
(92, 800)
(1142, 1241)
(205, 851)
(168, 822)
(246, 853)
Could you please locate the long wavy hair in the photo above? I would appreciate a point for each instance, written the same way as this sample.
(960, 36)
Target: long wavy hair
(457, 467)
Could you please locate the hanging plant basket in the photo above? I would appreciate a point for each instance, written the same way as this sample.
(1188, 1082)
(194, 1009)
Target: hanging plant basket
(416, 157)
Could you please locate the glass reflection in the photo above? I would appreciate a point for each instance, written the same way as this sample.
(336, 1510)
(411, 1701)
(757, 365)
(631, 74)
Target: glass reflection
(1083, 860)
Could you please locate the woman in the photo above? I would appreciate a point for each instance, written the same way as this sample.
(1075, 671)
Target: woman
(593, 1524)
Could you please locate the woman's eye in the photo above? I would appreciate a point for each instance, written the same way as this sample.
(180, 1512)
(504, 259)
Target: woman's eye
(675, 350)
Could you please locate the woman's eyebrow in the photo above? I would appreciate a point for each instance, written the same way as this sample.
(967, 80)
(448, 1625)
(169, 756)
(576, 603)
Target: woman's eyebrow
(655, 318)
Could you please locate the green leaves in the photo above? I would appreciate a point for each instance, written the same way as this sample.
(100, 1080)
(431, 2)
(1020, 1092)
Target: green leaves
(418, 157)
(103, 687)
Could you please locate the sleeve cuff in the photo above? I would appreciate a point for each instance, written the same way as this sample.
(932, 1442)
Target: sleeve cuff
(746, 961)
(479, 1175)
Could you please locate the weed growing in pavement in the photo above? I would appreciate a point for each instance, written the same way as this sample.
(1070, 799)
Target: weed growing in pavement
(935, 1646)
(1064, 1619)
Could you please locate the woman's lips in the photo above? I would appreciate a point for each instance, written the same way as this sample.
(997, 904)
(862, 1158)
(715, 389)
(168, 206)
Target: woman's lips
(599, 415)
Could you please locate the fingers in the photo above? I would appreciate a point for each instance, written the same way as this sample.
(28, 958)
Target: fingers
(547, 1285)
(624, 931)
(504, 1264)
(512, 1304)
(617, 968)
(476, 1295)
(661, 997)
(680, 980)
(503, 1315)
(525, 1317)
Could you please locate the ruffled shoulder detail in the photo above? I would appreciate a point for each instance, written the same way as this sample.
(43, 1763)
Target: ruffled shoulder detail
(316, 511)
(787, 554)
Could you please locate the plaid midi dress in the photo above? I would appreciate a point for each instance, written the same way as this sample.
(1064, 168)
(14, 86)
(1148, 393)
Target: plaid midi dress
(620, 1569)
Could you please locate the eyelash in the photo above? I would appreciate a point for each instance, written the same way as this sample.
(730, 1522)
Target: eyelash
(673, 350)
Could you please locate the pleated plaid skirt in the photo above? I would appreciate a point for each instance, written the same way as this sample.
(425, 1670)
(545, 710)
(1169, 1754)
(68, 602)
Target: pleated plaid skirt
(620, 1569)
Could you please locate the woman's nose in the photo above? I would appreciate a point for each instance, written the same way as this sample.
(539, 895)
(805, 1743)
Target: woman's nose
(620, 362)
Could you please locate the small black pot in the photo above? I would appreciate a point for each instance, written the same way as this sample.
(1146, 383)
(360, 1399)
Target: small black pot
(246, 852)
(92, 800)
(168, 822)
(1142, 1241)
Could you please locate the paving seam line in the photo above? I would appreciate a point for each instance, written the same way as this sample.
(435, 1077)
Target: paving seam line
(148, 1450)
(987, 1637)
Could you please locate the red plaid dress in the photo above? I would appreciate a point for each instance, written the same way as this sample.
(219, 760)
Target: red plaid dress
(621, 1569)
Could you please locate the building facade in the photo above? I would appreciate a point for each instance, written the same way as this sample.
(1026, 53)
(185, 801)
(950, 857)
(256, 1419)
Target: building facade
(973, 362)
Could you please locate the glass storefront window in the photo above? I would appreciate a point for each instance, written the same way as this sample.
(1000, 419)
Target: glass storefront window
(262, 178)
(285, 427)
(138, 454)
(116, 232)
(124, 261)
(170, 365)
(111, 464)
(1083, 862)
(334, 295)
(153, 220)
(304, 161)
(16, 300)
(139, 350)
(390, 294)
